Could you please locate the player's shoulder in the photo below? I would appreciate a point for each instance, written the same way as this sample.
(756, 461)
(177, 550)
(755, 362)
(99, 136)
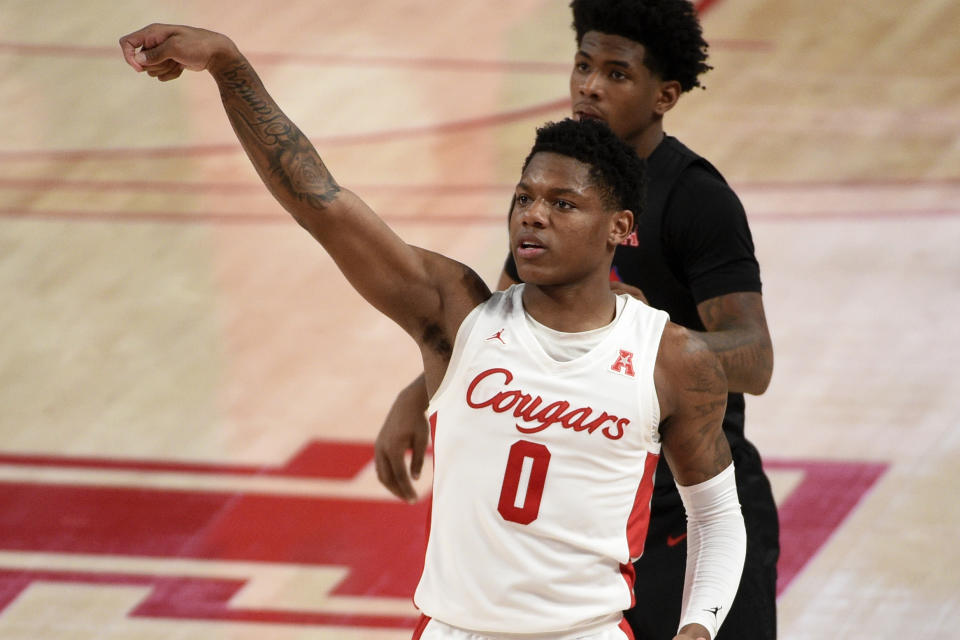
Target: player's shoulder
(455, 278)
(681, 347)
(685, 363)
(700, 180)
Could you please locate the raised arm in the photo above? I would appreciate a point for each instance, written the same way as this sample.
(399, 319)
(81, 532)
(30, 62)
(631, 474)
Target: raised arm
(420, 290)
(692, 391)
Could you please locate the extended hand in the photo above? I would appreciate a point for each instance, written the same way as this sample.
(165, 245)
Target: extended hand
(165, 50)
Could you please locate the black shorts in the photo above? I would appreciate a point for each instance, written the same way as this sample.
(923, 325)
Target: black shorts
(660, 571)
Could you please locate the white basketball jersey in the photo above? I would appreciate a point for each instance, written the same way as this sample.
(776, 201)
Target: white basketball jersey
(543, 473)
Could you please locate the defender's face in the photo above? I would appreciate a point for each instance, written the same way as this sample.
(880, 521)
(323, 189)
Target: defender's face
(561, 229)
(609, 82)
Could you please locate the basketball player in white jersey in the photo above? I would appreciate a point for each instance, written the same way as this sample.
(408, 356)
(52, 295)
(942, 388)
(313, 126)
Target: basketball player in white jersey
(550, 402)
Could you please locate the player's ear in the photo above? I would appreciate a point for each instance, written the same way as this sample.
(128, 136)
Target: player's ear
(621, 226)
(667, 96)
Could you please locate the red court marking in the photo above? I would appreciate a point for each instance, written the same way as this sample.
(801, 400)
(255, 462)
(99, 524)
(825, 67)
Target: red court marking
(347, 139)
(453, 126)
(461, 219)
(811, 514)
(185, 598)
(849, 183)
(264, 58)
(316, 459)
(229, 188)
(280, 217)
(380, 542)
(847, 216)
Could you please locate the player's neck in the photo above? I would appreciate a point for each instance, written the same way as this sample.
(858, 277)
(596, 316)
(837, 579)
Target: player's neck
(648, 139)
(571, 307)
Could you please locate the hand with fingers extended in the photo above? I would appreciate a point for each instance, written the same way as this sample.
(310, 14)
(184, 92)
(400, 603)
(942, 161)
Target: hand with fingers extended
(403, 430)
(165, 50)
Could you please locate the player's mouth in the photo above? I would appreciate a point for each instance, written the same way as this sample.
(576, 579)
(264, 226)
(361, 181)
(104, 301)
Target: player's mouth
(529, 248)
(587, 113)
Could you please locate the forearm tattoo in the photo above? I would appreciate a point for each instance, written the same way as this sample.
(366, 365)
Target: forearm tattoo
(744, 351)
(281, 154)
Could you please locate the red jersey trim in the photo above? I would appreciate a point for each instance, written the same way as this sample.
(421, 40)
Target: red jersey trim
(422, 626)
(640, 515)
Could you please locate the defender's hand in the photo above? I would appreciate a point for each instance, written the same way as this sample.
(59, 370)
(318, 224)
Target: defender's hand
(164, 50)
(403, 430)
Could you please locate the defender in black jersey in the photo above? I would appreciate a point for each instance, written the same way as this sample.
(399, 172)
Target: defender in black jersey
(692, 256)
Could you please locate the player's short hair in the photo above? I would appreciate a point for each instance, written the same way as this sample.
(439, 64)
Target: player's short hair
(615, 168)
(669, 31)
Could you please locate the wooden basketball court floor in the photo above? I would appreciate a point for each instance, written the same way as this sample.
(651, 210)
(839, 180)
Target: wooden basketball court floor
(189, 391)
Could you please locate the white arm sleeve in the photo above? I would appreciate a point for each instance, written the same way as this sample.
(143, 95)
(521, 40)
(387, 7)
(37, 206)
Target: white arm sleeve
(716, 547)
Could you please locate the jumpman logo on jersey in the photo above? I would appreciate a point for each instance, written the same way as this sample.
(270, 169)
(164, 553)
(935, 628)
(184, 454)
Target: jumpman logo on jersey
(713, 611)
(497, 336)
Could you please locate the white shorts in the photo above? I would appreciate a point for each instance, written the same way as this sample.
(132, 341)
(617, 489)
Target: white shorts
(430, 629)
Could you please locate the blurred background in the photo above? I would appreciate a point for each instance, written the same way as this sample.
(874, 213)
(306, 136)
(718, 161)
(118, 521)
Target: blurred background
(189, 390)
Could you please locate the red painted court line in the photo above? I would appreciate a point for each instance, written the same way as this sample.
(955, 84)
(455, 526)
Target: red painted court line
(265, 58)
(321, 59)
(848, 183)
(454, 126)
(217, 525)
(188, 598)
(811, 514)
(166, 217)
(220, 218)
(379, 542)
(160, 217)
(316, 459)
(347, 139)
(182, 186)
(847, 216)
(178, 186)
